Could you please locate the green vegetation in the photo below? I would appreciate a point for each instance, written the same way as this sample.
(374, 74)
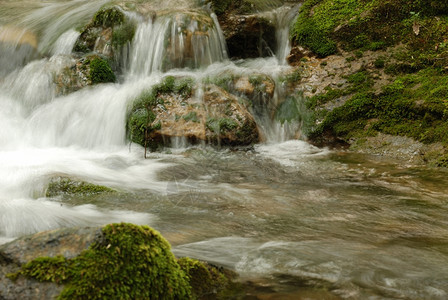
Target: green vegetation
(414, 101)
(325, 25)
(108, 17)
(141, 118)
(191, 117)
(67, 186)
(221, 125)
(123, 30)
(128, 262)
(414, 105)
(100, 71)
(204, 278)
(123, 34)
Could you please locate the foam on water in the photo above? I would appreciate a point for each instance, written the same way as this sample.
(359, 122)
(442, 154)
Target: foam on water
(290, 153)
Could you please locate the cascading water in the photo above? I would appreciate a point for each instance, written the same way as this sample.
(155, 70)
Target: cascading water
(296, 219)
(176, 41)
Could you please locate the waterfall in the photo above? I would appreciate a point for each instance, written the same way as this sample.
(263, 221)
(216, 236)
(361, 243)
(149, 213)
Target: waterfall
(176, 41)
(82, 135)
(64, 44)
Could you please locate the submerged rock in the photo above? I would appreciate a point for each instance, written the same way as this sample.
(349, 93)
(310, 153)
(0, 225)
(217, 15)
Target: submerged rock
(123, 261)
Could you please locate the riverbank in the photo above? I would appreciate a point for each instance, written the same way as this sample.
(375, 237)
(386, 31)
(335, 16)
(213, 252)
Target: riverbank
(376, 78)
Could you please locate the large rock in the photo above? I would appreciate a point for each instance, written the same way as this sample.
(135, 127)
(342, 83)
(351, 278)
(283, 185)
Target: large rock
(220, 119)
(120, 261)
(171, 110)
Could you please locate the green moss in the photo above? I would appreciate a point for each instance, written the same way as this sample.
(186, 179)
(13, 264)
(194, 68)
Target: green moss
(224, 81)
(221, 125)
(206, 280)
(123, 34)
(67, 186)
(414, 105)
(129, 262)
(108, 17)
(368, 25)
(379, 63)
(220, 6)
(100, 71)
(317, 20)
(307, 33)
(191, 117)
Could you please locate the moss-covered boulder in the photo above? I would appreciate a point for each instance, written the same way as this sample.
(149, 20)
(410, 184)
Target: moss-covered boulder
(118, 261)
(171, 109)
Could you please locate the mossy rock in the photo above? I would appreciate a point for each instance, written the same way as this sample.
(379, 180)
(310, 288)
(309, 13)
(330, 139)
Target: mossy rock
(100, 70)
(108, 17)
(127, 262)
(63, 186)
(207, 280)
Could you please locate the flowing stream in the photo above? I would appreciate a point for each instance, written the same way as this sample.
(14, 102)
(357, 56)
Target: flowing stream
(294, 221)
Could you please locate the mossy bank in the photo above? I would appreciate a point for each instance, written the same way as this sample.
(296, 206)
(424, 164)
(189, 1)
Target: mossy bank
(397, 55)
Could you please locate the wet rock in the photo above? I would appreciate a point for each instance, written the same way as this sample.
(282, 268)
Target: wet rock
(194, 42)
(219, 119)
(296, 54)
(255, 85)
